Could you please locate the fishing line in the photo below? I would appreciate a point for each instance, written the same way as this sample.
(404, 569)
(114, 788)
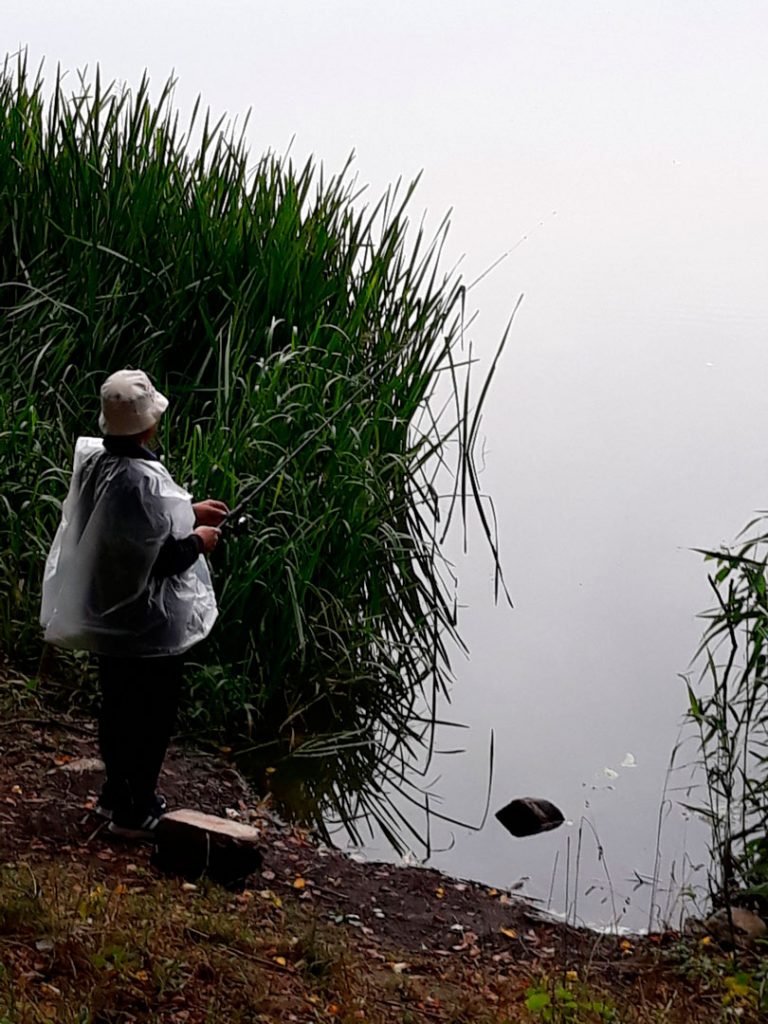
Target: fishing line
(518, 243)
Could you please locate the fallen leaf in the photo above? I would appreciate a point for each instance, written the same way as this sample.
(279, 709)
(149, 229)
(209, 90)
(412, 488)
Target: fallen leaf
(281, 961)
(399, 967)
(468, 941)
(509, 932)
(267, 894)
(738, 986)
(299, 883)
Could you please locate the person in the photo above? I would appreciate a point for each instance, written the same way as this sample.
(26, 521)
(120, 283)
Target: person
(125, 580)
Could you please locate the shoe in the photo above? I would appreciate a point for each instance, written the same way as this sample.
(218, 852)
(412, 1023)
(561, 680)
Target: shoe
(113, 794)
(138, 827)
(103, 810)
(105, 806)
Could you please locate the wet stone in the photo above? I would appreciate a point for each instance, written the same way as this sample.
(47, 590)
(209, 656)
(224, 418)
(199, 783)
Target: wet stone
(748, 928)
(192, 844)
(528, 816)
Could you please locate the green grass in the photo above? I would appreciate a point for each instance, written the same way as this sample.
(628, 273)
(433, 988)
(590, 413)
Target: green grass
(86, 946)
(314, 353)
(728, 705)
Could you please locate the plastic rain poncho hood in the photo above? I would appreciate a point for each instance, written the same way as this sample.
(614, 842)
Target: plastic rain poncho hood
(99, 591)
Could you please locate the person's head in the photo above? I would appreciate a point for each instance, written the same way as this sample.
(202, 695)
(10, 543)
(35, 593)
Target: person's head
(130, 405)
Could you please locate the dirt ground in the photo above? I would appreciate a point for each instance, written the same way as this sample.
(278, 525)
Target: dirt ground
(453, 929)
(50, 777)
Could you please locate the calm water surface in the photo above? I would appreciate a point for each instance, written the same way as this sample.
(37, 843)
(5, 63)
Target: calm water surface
(624, 430)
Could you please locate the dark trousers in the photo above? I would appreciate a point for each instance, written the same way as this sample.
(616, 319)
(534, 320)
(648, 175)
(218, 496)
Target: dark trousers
(139, 700)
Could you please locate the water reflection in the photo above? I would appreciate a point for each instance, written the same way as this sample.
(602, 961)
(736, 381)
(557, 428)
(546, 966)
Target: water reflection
(350, 794)
(351, 783)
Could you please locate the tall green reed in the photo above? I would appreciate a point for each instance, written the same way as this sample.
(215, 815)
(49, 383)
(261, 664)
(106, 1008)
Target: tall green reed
(282, 314)
(730, 709)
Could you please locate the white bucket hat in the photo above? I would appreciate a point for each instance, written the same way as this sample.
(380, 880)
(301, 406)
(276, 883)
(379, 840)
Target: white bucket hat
(129, 404)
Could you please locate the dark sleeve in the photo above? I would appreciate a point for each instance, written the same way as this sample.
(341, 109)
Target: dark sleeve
(176, 556)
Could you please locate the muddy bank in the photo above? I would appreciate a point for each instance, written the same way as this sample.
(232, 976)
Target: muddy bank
(49, 779)
(490, 948)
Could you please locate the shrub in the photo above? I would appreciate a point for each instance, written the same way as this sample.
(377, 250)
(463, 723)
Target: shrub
(305, 339)
(730, 709)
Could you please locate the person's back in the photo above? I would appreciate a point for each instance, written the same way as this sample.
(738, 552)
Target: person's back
(124, 579)
(102, 591)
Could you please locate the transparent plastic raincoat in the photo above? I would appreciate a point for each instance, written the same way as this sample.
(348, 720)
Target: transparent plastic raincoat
(99, 591)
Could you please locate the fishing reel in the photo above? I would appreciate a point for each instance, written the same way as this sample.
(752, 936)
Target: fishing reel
(237, 523)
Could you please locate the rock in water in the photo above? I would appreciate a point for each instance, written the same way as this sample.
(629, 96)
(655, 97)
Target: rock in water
(527, 816)
(748, 928)
(192, 844)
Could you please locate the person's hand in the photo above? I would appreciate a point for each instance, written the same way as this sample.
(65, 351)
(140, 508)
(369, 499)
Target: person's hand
(210, 512)
(209, 535)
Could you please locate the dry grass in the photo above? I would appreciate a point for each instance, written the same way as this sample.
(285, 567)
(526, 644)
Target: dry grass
(78, 947)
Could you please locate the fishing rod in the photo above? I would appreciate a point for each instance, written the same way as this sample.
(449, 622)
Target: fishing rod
(236, 512)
